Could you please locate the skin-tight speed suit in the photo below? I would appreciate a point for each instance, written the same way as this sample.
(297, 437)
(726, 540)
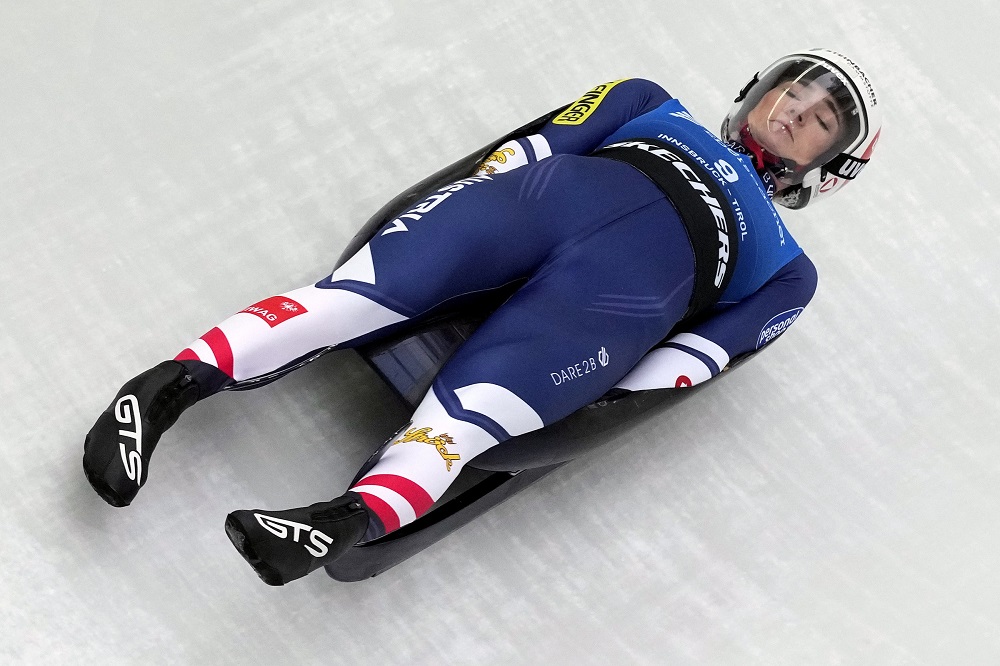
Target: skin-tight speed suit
(607, 272)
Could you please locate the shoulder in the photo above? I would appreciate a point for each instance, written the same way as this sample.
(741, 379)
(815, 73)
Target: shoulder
(654, 91)
(646, 84)
(634, 86)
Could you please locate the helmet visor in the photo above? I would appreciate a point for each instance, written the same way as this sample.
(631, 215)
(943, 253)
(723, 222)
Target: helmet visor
(802, 112)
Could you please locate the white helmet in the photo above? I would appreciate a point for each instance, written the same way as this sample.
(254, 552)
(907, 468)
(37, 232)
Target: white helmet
(845, 90)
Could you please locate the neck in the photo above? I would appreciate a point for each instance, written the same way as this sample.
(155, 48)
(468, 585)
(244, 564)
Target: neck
(763, 161)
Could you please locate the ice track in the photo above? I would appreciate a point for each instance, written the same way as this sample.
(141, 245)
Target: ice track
(162, 165)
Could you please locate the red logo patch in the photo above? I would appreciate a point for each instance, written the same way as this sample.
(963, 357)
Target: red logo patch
(276, 310)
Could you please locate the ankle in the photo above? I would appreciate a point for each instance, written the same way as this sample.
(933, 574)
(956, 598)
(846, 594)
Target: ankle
(209, 379)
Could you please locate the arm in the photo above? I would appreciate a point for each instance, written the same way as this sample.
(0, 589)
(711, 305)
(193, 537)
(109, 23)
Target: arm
(705, 350)
(582, 126)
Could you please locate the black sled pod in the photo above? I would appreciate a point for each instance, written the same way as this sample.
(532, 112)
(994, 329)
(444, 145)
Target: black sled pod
(409, 361)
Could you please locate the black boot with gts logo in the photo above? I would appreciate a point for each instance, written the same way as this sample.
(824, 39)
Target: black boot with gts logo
(282, 546)
(117, 449)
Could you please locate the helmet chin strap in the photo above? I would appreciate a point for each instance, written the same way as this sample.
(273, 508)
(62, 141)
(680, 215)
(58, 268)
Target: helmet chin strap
(762, 159)
(764, 162)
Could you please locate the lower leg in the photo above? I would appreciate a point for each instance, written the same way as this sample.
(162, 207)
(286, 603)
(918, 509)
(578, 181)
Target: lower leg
(415, 469)
(425, 457)
(263, 338)
(279, 331)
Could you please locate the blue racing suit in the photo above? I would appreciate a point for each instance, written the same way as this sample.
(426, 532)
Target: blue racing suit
(609, 267)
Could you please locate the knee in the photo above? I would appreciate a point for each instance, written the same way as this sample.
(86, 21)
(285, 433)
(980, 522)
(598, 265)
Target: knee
(500, 405)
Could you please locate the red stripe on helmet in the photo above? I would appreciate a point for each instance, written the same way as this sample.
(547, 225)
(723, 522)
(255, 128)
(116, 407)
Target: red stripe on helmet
(871, 146)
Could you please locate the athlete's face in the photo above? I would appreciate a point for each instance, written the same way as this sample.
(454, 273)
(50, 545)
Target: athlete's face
(795, 121)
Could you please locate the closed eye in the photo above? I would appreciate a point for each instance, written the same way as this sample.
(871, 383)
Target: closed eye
(834, 119)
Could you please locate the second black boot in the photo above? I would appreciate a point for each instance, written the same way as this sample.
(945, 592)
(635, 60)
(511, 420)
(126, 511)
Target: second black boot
(282, 546)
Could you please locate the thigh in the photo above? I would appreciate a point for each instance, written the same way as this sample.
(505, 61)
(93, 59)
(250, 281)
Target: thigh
(578, 325)
(483, 233)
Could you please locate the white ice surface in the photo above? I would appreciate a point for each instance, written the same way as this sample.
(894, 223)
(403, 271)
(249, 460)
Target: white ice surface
(163, 164)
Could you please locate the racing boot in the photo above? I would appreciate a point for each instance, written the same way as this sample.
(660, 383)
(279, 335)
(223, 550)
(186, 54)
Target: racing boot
(117, 449)
(282, 546)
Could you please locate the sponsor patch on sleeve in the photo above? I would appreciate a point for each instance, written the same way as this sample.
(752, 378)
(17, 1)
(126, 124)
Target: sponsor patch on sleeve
(776, 326)
(578, 112)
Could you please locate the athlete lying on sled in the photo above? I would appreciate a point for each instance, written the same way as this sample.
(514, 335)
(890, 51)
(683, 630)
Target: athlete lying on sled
(626, 221)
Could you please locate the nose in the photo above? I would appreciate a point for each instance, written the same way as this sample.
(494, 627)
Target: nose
(794, 114)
